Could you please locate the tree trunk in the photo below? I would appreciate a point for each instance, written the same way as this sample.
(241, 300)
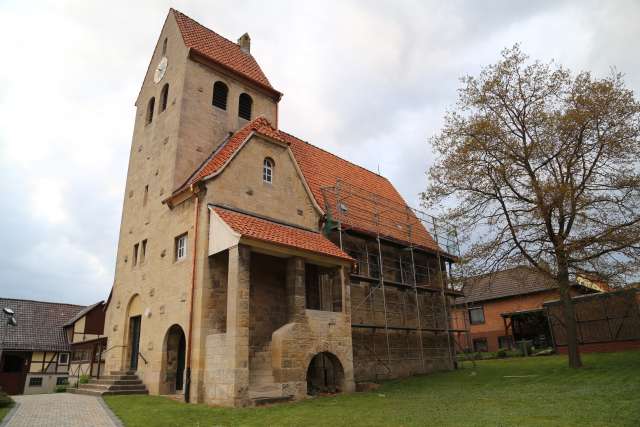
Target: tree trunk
(569, 317)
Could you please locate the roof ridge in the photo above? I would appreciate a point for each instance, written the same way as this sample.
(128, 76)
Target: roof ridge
(497, 272)
(334, 155)
(204, 41)
(204, 162)
(42, 302)
(209, 29)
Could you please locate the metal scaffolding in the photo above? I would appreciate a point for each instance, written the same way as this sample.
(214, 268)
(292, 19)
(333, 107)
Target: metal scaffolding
(420, 241)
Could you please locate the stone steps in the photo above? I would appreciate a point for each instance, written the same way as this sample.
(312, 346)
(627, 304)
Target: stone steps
(118, 382)
(117, 377)
(261, 375)
(121, 373)
(263, 390)
(114, 381)
(112, 387)
(260, 370)
(89, 392)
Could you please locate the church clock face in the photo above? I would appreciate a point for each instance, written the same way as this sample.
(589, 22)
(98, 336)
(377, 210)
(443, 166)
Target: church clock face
(160, 70)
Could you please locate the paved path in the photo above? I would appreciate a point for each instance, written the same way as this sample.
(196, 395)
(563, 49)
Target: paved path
(60, 409)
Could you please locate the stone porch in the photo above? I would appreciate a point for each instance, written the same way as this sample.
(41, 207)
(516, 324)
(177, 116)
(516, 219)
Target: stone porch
(271, 336)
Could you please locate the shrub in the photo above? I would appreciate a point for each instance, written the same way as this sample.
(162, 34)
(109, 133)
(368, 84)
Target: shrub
(61, 388)
(84, 379)
(502, 353)
(5, 400)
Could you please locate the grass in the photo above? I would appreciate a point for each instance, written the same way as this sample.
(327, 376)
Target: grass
(6, 403)
(535, 391)
(4, 410)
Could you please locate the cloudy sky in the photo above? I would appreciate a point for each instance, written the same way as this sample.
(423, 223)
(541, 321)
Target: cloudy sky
(367, 80)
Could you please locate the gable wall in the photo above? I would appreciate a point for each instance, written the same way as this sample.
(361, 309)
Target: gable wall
(240, 185)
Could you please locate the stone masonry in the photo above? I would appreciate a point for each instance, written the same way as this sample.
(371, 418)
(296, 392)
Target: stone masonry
(250, 336)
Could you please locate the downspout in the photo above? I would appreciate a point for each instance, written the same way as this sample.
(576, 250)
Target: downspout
(187, 390)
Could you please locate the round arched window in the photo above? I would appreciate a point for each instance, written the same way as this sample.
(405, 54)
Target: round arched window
(267, 170)
(244, 106)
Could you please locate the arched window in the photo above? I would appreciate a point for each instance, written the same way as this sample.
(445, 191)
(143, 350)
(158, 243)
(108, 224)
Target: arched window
(164, 97)
(244, 106)
(267, 170)
(220, 91)
(150, 107)
(164, 47)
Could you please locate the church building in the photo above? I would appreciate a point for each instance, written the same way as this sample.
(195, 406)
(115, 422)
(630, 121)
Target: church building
(253, 266)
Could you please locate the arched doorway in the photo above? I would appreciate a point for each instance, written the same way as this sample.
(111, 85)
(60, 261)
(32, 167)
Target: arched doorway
(174, 358)
(325, 374)
(134, 324)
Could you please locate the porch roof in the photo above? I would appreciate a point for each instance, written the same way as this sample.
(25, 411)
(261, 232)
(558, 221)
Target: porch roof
(246, 226)
(522, 312)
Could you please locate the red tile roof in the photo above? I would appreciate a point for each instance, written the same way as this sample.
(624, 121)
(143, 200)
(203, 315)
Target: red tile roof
(219, 49)
(225, 152)
(322, 169)
(284, 235)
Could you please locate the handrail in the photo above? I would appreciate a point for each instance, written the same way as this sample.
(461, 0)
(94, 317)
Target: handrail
(143, 358)
(111, 348)
(102, 353)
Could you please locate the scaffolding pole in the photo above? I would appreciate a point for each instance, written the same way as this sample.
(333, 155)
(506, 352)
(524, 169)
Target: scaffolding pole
(418, 313)
(363, 212)
(384, 296)
(444, 298)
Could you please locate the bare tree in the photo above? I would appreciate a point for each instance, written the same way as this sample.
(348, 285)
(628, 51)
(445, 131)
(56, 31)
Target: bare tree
(543, 167)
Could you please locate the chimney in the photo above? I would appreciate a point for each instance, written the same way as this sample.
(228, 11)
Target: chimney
(245, 43)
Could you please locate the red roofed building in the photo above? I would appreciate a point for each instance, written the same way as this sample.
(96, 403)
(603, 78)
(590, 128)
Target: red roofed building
(253, 266)
(505, 307)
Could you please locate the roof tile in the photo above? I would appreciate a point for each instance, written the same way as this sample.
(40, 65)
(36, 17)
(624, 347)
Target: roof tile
(219, 49)
(506, 283)
(322, 169)
(40, 325)
(284, 235)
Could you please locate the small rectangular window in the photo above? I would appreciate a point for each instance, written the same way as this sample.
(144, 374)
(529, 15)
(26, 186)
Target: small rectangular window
(143, 251)
(79, 355)
(135, 254)
(62, 381)
(63, 358)
(480, 345)
(476, 315)
(35, 382)
(181, 247)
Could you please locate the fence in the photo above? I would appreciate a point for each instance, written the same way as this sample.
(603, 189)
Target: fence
(609, 320)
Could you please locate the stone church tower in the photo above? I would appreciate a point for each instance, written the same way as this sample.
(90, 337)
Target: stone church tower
(199, 90)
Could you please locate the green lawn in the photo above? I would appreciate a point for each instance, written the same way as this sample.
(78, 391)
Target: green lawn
(4, 411)
(521, 391)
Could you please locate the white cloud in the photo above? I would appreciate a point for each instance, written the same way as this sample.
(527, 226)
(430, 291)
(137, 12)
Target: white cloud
(47, 200)
(367, 80)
